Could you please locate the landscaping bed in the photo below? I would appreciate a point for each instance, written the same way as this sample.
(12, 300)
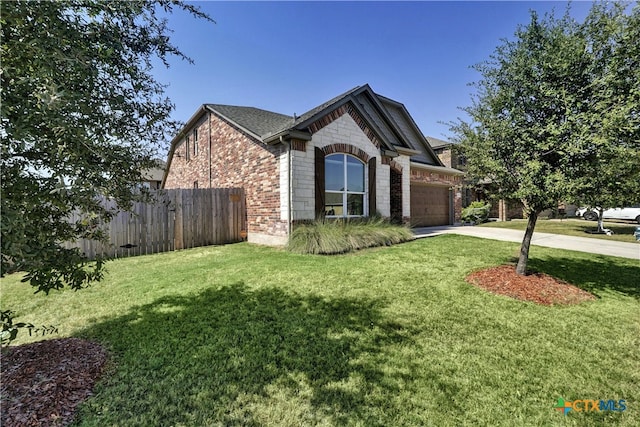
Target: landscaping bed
(44, 382)
(535, 287)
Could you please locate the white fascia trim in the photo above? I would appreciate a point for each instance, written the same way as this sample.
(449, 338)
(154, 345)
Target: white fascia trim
(439, 169)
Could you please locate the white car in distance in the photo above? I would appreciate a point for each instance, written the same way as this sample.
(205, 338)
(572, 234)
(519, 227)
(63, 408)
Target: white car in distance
(631, 213)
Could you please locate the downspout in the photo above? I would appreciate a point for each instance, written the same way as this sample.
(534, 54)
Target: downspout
(210, 175)
(289, 189)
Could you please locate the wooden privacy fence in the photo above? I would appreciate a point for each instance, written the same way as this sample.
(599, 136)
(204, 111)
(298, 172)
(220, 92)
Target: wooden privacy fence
(178, 219)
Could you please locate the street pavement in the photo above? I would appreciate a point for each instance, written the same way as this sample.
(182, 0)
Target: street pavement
(572, 243)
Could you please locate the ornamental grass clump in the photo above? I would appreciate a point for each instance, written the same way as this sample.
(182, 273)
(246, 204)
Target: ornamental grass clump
(326, 236)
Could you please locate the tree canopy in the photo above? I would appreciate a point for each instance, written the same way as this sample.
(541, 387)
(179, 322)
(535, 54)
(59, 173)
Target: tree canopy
(555, 105)
(610, 175)
(81, 117)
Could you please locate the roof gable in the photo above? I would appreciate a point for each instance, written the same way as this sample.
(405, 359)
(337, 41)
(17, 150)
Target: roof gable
(365, 104)
(414, 137)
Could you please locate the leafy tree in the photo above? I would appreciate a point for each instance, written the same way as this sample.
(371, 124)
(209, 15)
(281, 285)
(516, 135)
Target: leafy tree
(610, 175)
(81, 117)
(538, 116)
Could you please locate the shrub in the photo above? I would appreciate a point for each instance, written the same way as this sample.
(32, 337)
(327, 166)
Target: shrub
(326, 236)
(476, 212)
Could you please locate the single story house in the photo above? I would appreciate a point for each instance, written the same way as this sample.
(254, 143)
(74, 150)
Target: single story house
(356, 155)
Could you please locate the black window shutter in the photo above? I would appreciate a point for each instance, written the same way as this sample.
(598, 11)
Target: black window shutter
(372, 186)
(319, 175)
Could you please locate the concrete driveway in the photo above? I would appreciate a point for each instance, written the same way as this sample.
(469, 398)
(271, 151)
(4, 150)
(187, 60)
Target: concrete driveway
(571, 243)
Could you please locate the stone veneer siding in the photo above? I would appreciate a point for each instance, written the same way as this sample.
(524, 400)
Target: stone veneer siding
(229, 158)
(336, 132)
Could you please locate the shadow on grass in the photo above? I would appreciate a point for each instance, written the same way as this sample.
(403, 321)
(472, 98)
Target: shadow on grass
(225, 356)
(625, 229)
(596, 274)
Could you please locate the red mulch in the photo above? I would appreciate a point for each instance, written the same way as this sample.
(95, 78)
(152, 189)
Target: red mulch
(44, 382)
(536, 287)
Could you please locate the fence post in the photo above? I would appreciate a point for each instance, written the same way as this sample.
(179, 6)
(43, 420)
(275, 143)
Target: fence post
(178, 230)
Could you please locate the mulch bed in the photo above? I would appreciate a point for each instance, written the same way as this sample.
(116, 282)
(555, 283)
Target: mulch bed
(535, 287)
(44, 382)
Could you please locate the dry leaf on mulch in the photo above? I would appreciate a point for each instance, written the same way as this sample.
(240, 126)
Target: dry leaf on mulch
(536, 287)
(44, 382)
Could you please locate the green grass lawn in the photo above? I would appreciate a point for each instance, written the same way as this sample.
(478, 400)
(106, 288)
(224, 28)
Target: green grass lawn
(623, 231)
(248, 335)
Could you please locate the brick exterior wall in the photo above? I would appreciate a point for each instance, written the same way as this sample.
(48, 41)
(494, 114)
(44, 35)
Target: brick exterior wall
(233, 159)
(435, 178)
(396, 195)
(506, 210)
(431, 177)
(449, 157)
(444, 154)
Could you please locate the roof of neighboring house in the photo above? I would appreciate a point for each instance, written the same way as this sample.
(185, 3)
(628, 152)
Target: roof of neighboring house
(157, 173)
(438, 143)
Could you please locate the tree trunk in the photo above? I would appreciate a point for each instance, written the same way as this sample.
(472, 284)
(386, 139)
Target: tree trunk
(521, 268)
(600, 220)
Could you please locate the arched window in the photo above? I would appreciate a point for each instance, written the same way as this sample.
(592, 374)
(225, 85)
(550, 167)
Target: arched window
(345, 187)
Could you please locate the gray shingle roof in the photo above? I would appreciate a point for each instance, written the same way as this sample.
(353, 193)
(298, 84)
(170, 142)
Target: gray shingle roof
(437, 143)
(263, 124)
(257, 121)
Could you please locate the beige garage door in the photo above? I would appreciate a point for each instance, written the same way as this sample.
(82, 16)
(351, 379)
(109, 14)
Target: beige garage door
(429, 205)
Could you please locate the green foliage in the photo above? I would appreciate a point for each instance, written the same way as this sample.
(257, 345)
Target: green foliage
(325, 236)
(557, 113)
(609, 176)
(476, 212)
(81, 117)
(10, 330)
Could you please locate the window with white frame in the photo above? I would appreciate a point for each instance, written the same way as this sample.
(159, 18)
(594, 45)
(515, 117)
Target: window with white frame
(345, 186)
(195, 142)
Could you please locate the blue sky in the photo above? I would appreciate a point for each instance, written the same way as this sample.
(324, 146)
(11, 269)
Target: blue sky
(289, 57)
